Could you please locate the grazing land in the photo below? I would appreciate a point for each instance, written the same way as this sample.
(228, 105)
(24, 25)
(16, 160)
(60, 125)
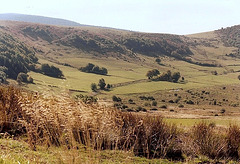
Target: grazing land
(36, 106)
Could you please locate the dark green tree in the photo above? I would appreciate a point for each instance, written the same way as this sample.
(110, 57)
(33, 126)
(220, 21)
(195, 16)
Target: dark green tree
(151, 73)
(176, 76)
(3, 77)
(101, 83)
(94, 87)
(51, 71)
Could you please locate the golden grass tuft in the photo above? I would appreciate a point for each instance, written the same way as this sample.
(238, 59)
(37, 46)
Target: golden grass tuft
(59, 120)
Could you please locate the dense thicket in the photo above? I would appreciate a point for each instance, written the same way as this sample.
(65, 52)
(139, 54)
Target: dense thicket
(15, 56)
(91, 68)
(52, 71)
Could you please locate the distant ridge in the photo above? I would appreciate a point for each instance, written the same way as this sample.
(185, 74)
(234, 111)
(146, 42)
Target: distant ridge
(38, 19)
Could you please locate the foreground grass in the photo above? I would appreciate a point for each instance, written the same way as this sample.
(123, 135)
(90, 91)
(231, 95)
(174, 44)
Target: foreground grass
(15, 152)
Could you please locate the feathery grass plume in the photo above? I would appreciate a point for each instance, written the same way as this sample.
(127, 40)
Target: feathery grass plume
(233, 141)
(208, 142)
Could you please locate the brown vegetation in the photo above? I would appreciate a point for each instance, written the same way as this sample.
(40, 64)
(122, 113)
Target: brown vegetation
(62, 121)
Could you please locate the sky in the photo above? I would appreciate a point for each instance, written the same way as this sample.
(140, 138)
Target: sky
(155, 16)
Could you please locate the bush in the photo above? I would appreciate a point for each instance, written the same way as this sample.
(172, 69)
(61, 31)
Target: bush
(94, 87)
(223, 111)
(153, 109)
(130, 101)
(24, 78)
(158, 60)
(116, 99)
(214, 72)
(190, 102)
(147, 104)
(181, 106)
(238, 77)
(150, 137)
(141, 109)
(208, 142)
(163, 106)
(154, 103)
(233, 141)
(3, 77)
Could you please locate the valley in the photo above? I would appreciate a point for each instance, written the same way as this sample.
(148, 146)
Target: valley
(207, 89)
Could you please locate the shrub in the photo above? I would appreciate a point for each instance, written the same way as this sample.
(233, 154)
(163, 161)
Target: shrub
(163, 106)
(130, 101)
(141, 109)
(10, 111)
(150, 137)
(233, 141)
(238, 77)
(181, 106)
(108, 86)
(3, 77)
(94, 87)
(158, 60)
(116, 99)
(25, 78)
(190, 102)
(207, 142)
(223, 111)
(147, 104)
(153, 109)
(124, 106)
(214, 72)
(154, 103)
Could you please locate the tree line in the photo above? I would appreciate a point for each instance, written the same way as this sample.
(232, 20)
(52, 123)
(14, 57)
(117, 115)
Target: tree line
(165, 76)
(91, 68)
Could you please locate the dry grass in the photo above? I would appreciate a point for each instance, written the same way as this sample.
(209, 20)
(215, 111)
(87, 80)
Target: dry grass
(61, 121)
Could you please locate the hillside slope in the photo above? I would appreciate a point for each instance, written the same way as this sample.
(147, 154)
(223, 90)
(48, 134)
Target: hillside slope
(127, 56)
(38, 19)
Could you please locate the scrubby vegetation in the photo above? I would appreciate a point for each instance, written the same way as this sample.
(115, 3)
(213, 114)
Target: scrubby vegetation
(24, 78)
(15, 56)
(44, 119)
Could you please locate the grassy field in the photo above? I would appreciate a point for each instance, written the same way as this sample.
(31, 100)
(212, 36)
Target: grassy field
(14, 152)
(188, 122)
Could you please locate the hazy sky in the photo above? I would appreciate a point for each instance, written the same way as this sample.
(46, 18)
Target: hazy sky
(159, 16)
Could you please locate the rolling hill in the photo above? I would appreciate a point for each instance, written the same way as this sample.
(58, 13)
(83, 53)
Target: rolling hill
(206, 94)
(38, 19)
(128, 56)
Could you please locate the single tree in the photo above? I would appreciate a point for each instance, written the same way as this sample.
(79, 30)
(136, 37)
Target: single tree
(101, 83)
(94, 87)
(151, 73)
(176, 76)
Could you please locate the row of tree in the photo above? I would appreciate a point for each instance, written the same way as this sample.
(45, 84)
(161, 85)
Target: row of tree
(102, 85)
(52, 71)
(91, 68)
(166, 76)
